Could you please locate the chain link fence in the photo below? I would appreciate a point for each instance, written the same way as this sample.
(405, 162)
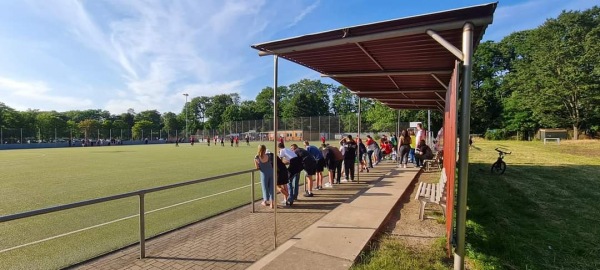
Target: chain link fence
(292, 129)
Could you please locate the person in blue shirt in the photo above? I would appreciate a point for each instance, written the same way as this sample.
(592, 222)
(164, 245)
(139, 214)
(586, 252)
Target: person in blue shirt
(318, 156)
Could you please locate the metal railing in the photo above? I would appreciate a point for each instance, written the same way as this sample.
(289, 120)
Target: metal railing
(141, 194)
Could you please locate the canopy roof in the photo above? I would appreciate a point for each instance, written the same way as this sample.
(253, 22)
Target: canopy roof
(397, 62)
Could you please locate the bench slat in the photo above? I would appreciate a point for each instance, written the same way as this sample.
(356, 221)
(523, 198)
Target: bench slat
(419, 190)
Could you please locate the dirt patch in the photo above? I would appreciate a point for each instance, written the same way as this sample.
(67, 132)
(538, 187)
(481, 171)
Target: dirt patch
(405, 225)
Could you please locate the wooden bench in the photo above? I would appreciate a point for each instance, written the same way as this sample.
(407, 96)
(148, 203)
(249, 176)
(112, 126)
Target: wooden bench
(435, 164)
(432, 193)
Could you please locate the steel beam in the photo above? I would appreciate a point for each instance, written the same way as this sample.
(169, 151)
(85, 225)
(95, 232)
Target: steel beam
(385, 73)
(385, 35)
(446, 44)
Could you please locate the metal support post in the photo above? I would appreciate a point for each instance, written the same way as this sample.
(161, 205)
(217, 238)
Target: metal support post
(252, 190)
(275, 126)
(358, 148)
(142, 228)
(465, 129)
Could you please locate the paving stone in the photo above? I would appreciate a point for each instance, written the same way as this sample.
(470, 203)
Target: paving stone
(236, 239)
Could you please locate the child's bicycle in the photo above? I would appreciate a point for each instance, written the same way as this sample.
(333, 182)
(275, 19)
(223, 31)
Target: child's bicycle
(499, 166)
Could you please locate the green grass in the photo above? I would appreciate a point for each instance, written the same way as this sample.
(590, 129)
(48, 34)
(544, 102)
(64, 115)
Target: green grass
(543, 213)
(39, 178)
(393, 254)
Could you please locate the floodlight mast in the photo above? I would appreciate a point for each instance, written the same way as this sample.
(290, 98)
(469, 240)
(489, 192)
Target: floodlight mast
(186, 115)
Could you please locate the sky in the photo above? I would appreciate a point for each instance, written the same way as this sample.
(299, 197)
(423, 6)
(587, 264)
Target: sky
(114, 55)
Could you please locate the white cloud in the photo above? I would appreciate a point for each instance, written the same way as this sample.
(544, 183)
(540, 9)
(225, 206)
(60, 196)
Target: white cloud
(304, 12)
(152, 51)
(14, 92)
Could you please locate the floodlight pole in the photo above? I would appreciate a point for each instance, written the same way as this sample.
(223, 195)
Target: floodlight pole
(463, 164)
(186, 115)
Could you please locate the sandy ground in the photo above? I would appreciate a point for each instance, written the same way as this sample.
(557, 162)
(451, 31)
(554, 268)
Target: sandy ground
(404, 223)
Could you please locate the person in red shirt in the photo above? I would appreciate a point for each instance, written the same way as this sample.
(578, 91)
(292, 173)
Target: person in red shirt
(322, 139)
(387, 148)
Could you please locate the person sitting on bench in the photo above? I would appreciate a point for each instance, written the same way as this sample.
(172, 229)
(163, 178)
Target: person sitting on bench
(422, 153)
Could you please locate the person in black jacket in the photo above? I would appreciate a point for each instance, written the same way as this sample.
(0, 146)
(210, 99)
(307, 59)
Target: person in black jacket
(310, 167)
(362, 151)
(422, 153)
(349, 156)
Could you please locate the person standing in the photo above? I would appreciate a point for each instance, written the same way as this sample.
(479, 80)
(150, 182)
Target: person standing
(295, 167)
(421, 134)
(333, 159)
(322, 139)
(310, 167)
(237, 141)
(231, 139)
(318, 156)
(247, 140)
(370, 144)
(413, 146)
(349, 157)
(404, 148)
(222, 142)
(362, 151)
(265, 166)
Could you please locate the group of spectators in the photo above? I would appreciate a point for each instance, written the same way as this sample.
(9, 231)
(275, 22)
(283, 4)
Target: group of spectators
(310, 159)
(410, 147)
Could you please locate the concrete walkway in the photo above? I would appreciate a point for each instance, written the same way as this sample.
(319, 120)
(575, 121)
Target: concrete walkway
(335, 224)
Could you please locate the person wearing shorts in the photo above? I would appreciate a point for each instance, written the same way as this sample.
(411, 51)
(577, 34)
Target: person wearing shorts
(318, 156)
(333, 159)
(310, 167)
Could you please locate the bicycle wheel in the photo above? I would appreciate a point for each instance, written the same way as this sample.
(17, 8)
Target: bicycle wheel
(499, 167)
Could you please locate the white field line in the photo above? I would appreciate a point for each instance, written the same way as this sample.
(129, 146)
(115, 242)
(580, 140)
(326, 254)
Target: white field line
(120, 219)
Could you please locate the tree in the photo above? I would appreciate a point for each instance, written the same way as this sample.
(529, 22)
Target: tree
(486, 94)
(171, 122)
(49, 124)
(152, 116)
(139, 127)
(264, 101)
(306, 98)
(9, 117)
(343, 101)
(200, 105)
(248, 110)
(560, 78)
(128, 117)
(87, 126)
(215, 111)
(383, 118)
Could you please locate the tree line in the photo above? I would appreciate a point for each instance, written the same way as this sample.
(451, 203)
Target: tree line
(547, 77)
(305, 98)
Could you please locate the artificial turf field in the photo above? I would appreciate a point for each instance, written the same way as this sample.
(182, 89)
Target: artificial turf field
(38, 178)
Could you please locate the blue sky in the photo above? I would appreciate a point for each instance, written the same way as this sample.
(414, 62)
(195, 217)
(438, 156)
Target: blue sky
(113, 54)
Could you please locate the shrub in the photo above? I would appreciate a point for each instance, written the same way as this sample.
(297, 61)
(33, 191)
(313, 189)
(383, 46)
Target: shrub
(495, 134)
